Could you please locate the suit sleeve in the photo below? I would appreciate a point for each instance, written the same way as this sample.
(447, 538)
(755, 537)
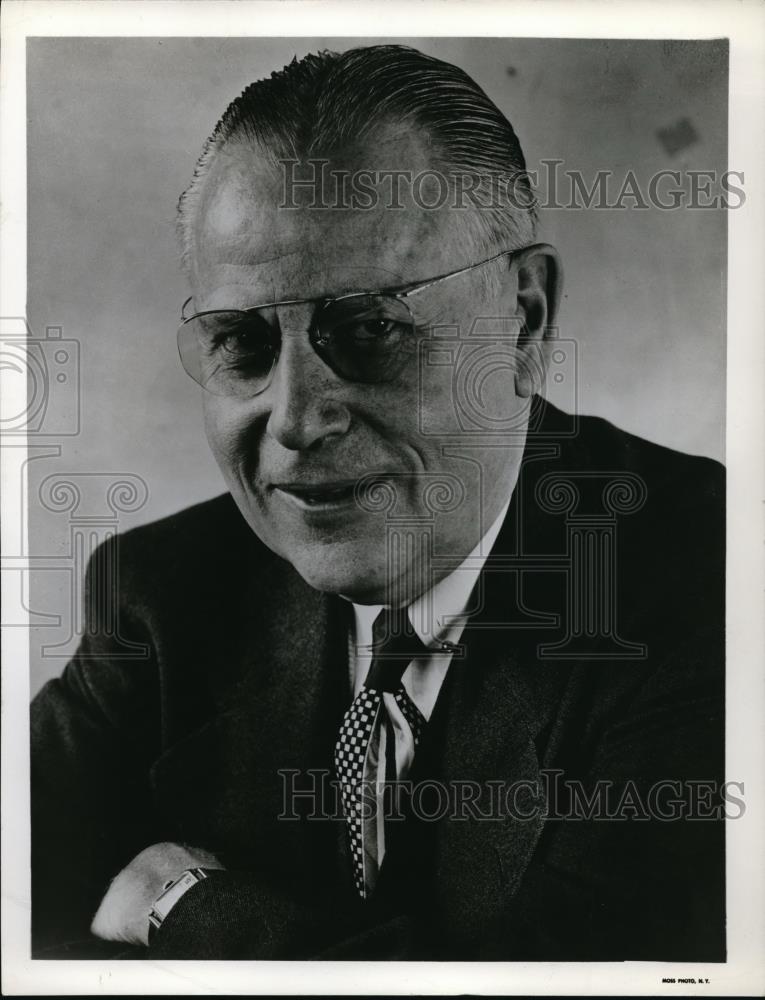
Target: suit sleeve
(234, 915)
(92, 813)
(95, 733)
(91, 742)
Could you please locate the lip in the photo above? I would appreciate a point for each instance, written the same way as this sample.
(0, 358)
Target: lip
(325, 496)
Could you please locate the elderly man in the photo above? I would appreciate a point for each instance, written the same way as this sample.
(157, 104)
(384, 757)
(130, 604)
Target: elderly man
(440, 676)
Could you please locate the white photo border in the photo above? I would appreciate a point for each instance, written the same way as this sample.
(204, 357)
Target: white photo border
(743, 23)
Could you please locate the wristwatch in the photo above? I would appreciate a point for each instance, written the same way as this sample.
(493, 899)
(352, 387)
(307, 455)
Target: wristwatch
(171, 893)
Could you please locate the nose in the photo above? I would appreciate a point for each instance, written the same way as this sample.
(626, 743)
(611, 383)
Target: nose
(303, 395)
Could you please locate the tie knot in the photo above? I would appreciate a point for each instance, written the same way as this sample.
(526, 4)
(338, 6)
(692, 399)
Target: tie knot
(395, 645)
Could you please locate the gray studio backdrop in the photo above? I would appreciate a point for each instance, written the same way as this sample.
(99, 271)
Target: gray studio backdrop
(115, 126)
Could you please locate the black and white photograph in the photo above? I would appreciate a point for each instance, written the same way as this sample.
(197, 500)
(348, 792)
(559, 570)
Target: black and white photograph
(382, 582)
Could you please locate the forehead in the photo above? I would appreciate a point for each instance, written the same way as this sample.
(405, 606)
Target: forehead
(249, 236)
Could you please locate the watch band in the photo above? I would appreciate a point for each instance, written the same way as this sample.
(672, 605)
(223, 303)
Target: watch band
(170, 895)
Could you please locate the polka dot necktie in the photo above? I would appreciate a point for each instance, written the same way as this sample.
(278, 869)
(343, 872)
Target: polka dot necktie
(365, 751)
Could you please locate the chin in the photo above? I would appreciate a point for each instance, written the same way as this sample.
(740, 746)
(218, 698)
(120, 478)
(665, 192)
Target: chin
(345, 574)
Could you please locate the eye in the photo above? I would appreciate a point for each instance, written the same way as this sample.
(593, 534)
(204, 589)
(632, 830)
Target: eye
(239, 336)
(372, 322)
(373, 329)
(241, 342)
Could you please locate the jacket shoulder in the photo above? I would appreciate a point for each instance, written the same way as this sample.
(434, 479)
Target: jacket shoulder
(675, 528)
(196, 523)
(204, 549)
(663, 513)
(660, 466)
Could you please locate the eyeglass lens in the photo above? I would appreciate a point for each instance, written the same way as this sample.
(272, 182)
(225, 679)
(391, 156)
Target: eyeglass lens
(362, 338)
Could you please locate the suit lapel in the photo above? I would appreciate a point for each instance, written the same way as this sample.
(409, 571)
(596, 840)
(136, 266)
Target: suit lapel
(491, 716)
(229, 782)
(489, 756)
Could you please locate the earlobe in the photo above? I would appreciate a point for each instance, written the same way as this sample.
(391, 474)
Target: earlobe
(540, 284)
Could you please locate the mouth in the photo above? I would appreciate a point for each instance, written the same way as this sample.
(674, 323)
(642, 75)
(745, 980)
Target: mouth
(319, 496)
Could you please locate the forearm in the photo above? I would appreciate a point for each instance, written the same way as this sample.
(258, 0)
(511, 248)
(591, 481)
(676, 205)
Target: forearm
(236, 915)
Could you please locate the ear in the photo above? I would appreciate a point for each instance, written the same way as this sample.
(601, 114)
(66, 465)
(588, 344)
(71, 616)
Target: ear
(540, 284)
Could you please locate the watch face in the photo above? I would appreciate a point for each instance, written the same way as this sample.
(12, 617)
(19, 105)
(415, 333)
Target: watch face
(171, 895)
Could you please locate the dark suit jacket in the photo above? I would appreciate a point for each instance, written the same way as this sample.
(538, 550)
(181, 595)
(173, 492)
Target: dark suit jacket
(245, 676)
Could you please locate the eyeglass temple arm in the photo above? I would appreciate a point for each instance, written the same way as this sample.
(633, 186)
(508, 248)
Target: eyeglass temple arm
(420, 286)
(261, 305)
(402, 293)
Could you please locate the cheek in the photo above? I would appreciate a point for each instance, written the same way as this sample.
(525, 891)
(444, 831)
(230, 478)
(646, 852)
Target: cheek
(435, 415)
(470, 390)
(226, 431)
(493, 397)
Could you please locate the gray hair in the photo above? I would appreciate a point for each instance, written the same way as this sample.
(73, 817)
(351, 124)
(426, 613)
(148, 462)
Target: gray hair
(330, 100)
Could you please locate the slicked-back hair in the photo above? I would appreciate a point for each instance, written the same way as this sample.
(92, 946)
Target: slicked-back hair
(329, 101)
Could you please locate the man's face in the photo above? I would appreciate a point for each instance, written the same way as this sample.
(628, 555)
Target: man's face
(292, 454)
